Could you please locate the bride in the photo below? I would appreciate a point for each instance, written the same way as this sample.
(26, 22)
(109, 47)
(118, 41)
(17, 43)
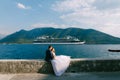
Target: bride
(60, 63)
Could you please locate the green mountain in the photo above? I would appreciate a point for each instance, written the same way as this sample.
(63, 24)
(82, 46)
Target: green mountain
(89, 35)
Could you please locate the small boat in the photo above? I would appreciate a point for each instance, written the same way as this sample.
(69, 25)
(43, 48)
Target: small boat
(113, 50)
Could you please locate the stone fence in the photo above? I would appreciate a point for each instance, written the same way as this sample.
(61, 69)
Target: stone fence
(76, 65)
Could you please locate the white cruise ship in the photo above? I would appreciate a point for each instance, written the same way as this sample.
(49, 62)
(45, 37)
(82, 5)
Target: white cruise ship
(51, 40)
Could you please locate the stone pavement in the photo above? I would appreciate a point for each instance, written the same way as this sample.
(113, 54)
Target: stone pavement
(65, 76)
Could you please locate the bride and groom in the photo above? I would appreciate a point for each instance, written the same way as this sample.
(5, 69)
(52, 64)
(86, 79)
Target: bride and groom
(59, 63)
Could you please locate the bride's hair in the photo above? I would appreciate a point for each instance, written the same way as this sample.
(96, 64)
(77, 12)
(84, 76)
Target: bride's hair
(53, 49)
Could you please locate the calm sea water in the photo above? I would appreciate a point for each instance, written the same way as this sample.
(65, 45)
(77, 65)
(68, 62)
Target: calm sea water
(36, 51)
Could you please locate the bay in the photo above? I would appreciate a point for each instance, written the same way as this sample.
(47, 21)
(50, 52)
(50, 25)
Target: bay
(37, 51)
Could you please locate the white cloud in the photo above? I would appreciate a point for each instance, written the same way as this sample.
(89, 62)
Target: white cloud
(22, 6)
(93, 17)
(39, 25)
(89, 14)
(115, 31)
(71, 5)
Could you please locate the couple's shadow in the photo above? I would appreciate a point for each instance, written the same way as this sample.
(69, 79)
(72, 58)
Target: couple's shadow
(46, 68)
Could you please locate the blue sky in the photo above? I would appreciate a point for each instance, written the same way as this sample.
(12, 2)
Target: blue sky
(102, 15)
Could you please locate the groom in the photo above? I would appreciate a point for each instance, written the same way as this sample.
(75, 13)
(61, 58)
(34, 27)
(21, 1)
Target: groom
(48, 56)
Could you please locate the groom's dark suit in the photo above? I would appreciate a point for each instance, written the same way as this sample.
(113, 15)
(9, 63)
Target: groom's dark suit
(48, 56)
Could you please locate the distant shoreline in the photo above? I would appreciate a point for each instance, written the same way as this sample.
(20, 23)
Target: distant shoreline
(63, 44)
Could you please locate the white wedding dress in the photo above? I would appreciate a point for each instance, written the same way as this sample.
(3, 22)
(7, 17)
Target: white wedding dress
(60, 64)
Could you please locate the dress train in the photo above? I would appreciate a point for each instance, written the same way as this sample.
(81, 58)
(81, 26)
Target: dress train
(60, 64)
